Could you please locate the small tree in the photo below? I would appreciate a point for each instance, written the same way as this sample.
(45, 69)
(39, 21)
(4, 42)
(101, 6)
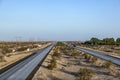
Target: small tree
(94, 41)
(59, 44)
(88, 42)
(118, 41)
(109, 41)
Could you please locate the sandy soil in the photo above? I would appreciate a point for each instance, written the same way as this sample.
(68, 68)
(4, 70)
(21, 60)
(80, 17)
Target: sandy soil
(17, 56)
(67, 68)
(12, 59)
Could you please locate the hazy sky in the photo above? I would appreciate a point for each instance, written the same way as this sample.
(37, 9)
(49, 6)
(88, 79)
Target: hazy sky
(59, 19)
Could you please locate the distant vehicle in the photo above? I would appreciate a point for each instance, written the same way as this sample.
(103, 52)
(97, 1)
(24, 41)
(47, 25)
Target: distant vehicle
(73, 45)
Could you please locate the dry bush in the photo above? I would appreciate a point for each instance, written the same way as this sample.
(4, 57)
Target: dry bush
(107, 64)
(8, 55)
(74, 52)
(6, 50)
(59, 44)
(56, 54)
(93, 59)
(84, 74)
(86, 56)
(22, 49)
(52, 64)
(118, 74)
(2, 59)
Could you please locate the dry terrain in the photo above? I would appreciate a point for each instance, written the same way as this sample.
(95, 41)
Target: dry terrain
(65, 63)
(12, 57)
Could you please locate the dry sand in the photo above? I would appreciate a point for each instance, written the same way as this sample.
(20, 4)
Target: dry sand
(67, 68)
(18, 55)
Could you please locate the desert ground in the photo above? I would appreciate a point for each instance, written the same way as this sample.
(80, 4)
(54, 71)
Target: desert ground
(66, 63)
(9, 56)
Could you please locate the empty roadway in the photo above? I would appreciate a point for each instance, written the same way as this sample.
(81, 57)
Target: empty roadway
(22, 70)
(100, 55)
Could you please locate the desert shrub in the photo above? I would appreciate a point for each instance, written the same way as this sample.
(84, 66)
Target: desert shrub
(84, 74)
(55, 78)
(52, 64)
(56, 54)
(74, 52)
(6, 50)
(86, 56)
(22, 49)
(59, 44)
(8, 55)
(65, 52)
(2, 59)
(107, 64)
(34, 46)
(93, 59)
(118, 74)
(62, 48)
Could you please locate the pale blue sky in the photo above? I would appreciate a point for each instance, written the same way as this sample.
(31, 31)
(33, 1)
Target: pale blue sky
(59, 19)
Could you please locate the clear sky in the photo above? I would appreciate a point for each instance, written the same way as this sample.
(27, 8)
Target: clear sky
(59, 19)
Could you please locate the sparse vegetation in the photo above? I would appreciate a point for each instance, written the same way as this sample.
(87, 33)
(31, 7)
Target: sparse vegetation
(7, 47)
(6, 50)
(93, 59)
(86, 56)
(118, 74)
(71, 60)
(59, 44)
(8, 55)
(22, 49)
(84, 74)
(2, 59)
(52, 64)
(90, 58)
(74, 52)
(107, 64)
(56, 53)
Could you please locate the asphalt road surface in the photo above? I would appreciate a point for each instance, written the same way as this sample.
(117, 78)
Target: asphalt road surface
(22, 70)
(97, 54)
(100, 55)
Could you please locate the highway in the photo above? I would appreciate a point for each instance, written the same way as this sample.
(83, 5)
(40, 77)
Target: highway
(100, 55)
(23, 69)
(97, 54)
